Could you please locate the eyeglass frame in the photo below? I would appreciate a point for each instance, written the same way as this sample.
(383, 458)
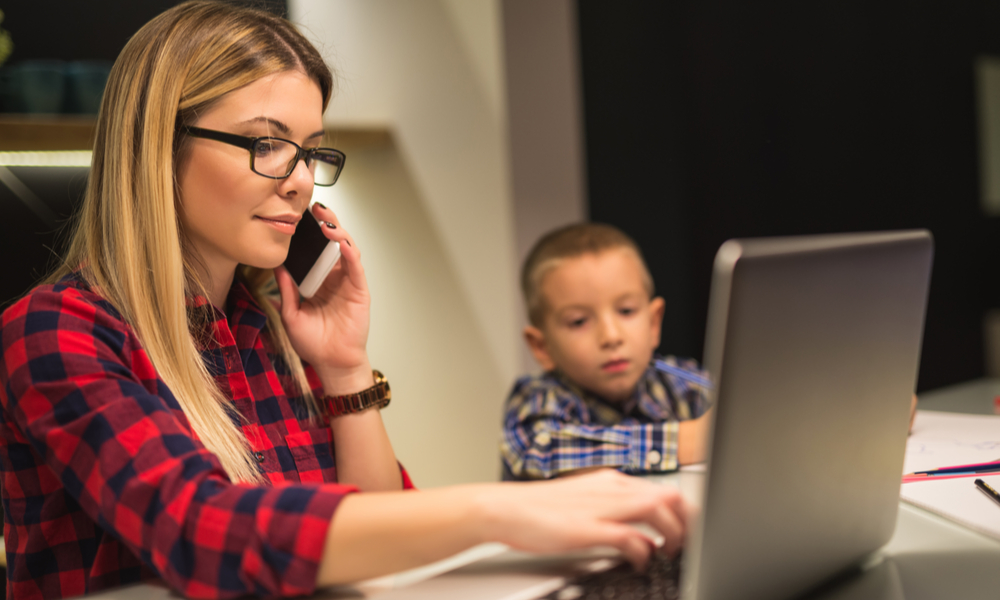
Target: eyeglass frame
(250, 143)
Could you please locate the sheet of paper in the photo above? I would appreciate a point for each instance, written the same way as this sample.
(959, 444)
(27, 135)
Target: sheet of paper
(959, 500)
(948, 439)
(941, 439)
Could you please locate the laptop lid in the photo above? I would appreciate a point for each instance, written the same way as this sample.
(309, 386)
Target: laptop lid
(813, 343)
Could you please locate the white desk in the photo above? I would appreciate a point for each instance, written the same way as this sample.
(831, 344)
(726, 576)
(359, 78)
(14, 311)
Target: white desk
(928, 558)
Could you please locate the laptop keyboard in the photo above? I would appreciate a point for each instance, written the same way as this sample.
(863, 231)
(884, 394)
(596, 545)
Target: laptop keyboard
(660, 581)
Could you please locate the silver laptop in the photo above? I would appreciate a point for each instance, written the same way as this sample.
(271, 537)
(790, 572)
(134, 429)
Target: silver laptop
(813, 343)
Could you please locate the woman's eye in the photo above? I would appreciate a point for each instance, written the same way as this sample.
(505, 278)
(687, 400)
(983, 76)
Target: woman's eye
(264, 148)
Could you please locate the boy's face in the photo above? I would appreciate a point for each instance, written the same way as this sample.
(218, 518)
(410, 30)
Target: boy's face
(599, 327)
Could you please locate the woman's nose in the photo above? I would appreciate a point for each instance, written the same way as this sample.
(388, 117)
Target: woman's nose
(299, 182)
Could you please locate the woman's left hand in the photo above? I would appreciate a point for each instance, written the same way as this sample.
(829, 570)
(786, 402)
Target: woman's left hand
(330, 329)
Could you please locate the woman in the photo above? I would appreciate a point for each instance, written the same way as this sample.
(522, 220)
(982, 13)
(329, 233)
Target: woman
(157, 418)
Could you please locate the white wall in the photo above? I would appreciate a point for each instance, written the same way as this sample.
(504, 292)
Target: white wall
(432, 214)
(544, 121)
(433, 207)
(445, 414)
(403, 64)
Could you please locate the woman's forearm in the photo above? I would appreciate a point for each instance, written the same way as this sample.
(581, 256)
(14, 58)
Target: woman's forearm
(364, 454)
(375, 534)
(379, 533)
(365, 457)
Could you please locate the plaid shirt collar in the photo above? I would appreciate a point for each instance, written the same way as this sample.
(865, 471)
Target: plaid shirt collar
(648, 401)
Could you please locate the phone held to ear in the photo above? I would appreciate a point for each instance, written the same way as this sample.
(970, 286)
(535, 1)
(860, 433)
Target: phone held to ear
(311, 255)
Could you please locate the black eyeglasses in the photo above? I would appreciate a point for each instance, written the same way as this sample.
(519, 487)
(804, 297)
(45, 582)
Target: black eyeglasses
(275, 158)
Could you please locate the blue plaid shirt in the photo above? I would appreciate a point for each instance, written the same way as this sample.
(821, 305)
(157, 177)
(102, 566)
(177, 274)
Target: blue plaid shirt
(552, 427)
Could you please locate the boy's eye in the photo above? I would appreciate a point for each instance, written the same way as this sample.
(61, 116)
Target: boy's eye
(626, 310)
(575, 323)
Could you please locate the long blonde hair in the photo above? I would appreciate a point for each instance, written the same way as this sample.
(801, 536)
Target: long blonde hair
(129, 243)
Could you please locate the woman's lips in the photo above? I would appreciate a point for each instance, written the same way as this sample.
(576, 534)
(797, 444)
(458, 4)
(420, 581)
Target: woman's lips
(282, 226)
(615, 366)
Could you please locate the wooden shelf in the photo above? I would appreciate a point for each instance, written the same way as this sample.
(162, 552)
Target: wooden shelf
(46, 132)
(76, 132)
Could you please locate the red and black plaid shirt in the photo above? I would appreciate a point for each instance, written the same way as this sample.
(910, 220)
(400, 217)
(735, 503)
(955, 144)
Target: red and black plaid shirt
(104, 482)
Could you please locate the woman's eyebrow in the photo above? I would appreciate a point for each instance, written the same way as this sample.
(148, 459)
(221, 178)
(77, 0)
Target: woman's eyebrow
(278, 124)
(285, 129)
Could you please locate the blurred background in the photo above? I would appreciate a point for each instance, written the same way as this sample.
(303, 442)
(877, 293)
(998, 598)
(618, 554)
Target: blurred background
(474, 126)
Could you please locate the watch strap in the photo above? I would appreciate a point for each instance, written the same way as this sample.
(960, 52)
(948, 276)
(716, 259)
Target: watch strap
(377, 396)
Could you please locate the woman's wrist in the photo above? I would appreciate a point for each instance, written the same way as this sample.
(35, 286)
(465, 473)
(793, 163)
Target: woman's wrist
(485, 513)
(342, 381)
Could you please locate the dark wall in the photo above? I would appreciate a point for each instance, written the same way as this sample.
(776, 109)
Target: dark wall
(707, 121)
(62, 30)
(32, 237)
(91, 30)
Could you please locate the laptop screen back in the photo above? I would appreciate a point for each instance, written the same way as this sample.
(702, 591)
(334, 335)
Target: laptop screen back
(813, 344)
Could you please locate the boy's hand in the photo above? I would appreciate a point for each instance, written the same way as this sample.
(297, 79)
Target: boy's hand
(692, 439)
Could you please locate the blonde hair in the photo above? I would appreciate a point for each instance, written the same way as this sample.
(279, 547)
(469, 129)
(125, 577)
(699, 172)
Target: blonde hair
(128, 241)
(569, 242)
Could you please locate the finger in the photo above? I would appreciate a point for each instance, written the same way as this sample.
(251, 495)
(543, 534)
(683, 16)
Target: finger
(634, 546)
(323, 213)
(332, 229)
(289, 292)
(670, 524)
(331, 224)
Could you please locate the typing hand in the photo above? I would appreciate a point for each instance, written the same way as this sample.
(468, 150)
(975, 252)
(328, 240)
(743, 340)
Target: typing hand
(330, 329)
(594, 509)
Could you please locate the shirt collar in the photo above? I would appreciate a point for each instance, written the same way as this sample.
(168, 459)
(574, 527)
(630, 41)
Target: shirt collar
(649, 397)
(242, 312)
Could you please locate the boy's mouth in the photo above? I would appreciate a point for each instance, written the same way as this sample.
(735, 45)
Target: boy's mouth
(615, 366)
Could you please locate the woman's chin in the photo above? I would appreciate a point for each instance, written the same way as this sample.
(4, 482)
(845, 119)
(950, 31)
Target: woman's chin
(270, 261)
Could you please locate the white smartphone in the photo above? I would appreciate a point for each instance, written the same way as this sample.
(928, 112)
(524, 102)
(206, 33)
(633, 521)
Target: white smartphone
(311, 255)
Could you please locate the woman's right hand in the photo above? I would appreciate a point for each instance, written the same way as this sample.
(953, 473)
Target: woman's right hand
(593, 509)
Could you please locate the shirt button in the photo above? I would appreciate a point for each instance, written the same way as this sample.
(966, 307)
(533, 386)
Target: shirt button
(543, 439)
(653, 457)
(259, 456)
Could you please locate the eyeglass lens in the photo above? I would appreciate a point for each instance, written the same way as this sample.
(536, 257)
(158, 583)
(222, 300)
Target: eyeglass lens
(277, 159)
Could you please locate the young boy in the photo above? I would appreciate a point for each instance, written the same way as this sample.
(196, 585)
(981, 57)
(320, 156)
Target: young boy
(604, 400)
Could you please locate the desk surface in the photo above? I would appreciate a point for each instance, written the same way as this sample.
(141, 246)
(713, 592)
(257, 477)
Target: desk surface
(928, 557)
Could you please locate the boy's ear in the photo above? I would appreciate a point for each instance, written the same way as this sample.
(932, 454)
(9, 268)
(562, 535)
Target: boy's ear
(656, 308)
(535, 339)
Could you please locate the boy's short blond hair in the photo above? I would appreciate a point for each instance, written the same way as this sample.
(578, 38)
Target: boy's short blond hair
(569, 242)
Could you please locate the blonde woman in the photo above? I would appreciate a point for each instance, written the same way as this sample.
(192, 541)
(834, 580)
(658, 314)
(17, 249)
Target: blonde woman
(157, 419)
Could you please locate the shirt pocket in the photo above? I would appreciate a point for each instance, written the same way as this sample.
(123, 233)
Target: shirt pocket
(312, 451)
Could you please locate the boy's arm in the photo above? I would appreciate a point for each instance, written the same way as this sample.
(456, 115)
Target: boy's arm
(689, 387)
(545, 448)
(692, 439)
(545, 436)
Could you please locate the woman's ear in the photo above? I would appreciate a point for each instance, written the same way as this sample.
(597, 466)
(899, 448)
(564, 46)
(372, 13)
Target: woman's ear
(656, 308)
(535, 339)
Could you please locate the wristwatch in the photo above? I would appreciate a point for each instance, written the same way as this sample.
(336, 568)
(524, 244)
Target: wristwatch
(377, 396)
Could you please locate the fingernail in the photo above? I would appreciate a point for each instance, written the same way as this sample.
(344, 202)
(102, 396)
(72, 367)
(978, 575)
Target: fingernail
(329, 224)
(321, 205)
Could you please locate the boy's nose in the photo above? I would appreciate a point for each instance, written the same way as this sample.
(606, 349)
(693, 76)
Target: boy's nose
(611, 335)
